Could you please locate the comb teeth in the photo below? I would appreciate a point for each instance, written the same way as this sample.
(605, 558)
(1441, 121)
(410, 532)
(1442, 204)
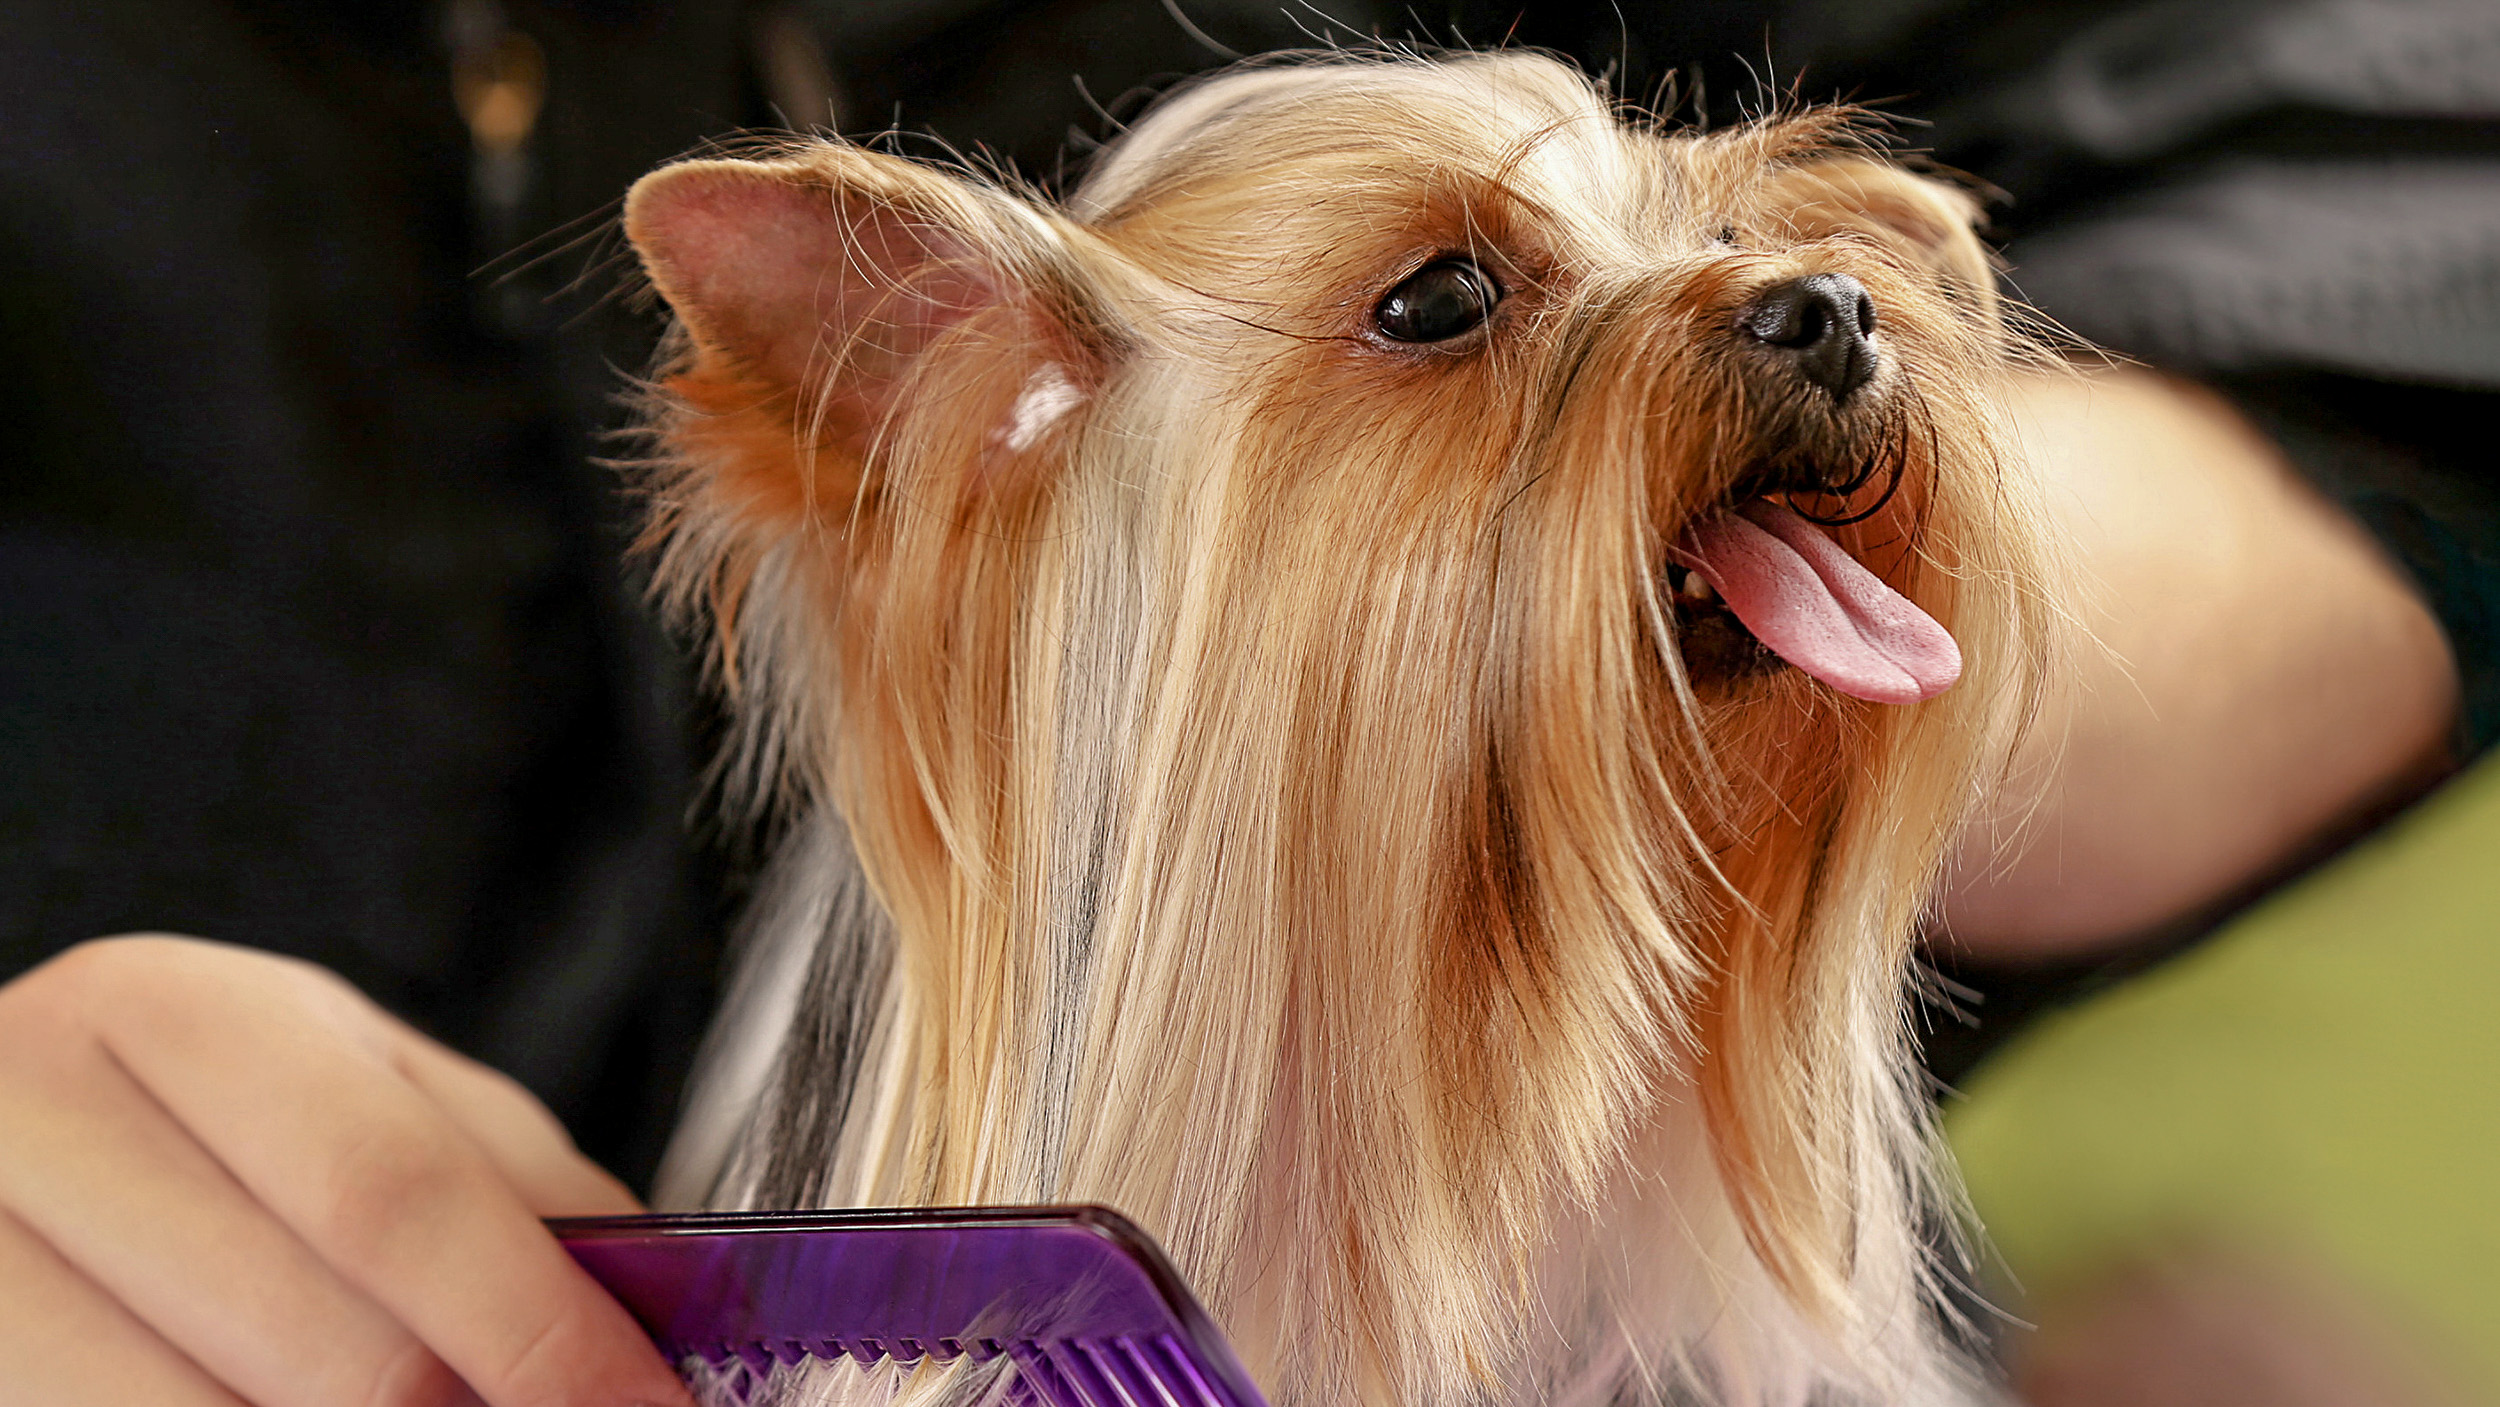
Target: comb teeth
(865, 1350)
(1128, 1371)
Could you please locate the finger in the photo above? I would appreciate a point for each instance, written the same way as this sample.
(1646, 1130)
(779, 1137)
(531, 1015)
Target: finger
(105, 1176)
(383, 1187)
(514, 1131)
(65, 1343)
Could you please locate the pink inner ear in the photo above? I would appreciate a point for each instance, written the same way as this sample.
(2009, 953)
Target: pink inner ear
(801, 281)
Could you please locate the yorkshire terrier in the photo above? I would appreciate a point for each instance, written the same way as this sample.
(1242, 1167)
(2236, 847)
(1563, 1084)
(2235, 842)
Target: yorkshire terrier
(1381, 690)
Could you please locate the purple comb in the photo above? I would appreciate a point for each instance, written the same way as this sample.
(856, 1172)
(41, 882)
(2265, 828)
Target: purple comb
(1082, 1302)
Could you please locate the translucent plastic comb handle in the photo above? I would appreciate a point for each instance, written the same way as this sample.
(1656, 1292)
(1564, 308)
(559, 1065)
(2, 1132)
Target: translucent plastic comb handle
(1083, 1302)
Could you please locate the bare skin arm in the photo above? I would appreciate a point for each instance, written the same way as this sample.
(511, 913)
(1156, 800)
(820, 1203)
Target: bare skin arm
(2263, 677)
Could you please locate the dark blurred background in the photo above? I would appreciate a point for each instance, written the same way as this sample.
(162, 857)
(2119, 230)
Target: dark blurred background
(318, 630)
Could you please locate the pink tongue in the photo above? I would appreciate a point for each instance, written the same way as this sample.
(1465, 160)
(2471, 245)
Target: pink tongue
(1818, 609)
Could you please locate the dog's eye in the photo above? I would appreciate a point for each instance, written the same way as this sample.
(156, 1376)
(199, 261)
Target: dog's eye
(1438, 302)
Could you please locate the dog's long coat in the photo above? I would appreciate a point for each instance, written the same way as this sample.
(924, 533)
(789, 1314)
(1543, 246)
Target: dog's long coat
(1245, 763)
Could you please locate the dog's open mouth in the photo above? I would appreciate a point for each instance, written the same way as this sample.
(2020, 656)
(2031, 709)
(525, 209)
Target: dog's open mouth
(1758, 577)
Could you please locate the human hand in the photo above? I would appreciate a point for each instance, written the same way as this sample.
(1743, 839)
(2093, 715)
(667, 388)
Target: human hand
(228, 1177)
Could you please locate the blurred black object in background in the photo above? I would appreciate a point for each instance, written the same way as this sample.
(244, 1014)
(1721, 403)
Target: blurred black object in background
(315, 637)
(316, 626)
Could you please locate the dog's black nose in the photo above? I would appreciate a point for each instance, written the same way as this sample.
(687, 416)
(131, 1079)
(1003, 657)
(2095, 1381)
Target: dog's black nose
(1826, 324)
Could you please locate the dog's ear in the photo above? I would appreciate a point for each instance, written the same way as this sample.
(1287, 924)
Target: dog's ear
(822, 280)
(1929, 219)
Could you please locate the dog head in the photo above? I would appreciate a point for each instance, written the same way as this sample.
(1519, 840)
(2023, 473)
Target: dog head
(1386, 668)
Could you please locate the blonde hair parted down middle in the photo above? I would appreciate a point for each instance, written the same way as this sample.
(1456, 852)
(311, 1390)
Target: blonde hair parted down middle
(1246, 763)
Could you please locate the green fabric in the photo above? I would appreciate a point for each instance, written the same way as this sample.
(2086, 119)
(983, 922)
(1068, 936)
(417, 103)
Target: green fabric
(2323, 1074)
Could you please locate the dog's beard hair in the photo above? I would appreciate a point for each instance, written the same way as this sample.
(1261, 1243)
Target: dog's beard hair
(841, 1382)
(1307, 840)
(808, 1026)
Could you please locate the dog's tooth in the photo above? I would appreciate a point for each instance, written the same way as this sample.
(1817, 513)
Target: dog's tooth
(1696, 586)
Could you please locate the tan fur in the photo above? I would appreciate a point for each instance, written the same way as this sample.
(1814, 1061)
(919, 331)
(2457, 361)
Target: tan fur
(1287, 814)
